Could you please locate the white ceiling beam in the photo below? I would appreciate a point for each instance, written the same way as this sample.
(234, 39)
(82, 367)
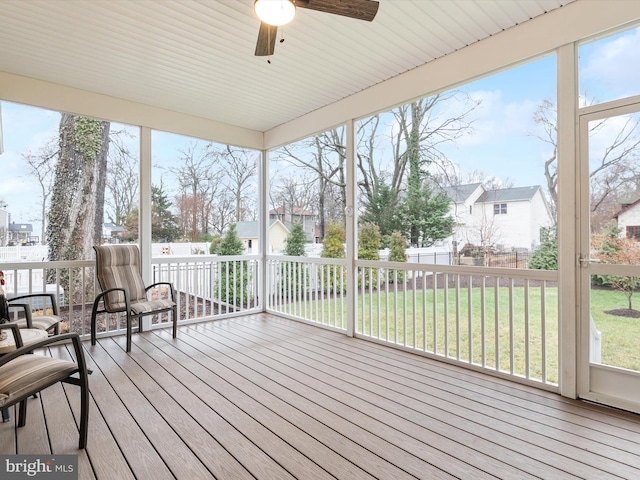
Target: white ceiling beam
(19, 89)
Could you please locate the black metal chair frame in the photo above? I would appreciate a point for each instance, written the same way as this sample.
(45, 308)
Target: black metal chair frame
(82, 380)
(27, 308)
(130, 315)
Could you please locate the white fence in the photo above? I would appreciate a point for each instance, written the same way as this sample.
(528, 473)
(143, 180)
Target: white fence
(40, 253)
(19, 253)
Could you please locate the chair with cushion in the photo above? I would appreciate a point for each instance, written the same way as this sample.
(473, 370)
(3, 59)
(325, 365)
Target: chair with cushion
(36, 302)
(118, 270)
(23, 375)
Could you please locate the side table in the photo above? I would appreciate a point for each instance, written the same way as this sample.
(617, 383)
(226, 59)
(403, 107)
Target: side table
(29, 335)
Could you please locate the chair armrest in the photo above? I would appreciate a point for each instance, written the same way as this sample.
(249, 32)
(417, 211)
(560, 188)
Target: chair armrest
(74, 337)
(52, 297)
(17, 336)
(27, 312)
(173, 290)
(104, 293)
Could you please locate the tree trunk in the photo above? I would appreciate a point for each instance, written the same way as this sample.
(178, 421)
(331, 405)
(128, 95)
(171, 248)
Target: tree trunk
(77, 205)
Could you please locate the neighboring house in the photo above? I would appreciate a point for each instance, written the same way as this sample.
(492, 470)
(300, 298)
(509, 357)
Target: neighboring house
(462, 198)
(297, 215)
(505, 218)
(249, 233)
(112, 233)
(628, 219)
(4, 227)
(21, 234)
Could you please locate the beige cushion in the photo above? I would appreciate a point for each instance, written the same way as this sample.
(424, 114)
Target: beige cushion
(118, 266)
(31, 373)
(43, 322)
(151, 306)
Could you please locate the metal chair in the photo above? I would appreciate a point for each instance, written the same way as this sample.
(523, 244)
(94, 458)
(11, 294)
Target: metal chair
(50, 323)
(23, 375)
(118, 270)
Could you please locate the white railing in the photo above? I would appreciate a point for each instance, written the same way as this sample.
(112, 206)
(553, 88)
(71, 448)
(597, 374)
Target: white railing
(311, 289)
(72, 283)
(207, 287)
(211, 285)
(501, 320)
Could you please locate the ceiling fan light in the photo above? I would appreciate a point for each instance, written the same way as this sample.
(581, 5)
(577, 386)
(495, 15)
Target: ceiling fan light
(275, 12)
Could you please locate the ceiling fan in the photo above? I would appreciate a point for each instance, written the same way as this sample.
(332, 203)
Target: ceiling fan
(273, 13)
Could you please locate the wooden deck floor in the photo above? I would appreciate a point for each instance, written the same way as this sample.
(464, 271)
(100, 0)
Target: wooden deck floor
(262, 397)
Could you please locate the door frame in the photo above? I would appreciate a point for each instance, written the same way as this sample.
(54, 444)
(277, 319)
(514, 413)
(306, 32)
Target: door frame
(598, 383)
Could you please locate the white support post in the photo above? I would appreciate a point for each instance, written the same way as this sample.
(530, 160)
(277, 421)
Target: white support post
(144, 226)
(568, 201)
(263, 216)
(351, 219)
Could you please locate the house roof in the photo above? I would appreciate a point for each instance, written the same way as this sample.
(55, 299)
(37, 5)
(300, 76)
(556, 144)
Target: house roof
(509, 194)
(626, 205)
(460, 193)
(20, 227)
(295, 211)
(197, 57)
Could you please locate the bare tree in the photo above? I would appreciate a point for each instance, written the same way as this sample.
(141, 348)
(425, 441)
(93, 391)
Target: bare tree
(489, 182)
(198, 176)
(293, 194)
(418, 130)
(222, 212)
(122, 179)
(484, 232)
(241, 168)
(325, 156)
(612, 175)
(42, 165)
(545, 118)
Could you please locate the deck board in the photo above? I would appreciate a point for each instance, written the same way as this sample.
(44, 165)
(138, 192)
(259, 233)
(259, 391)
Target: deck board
(262, 397)
(435, 414)
(555, 436)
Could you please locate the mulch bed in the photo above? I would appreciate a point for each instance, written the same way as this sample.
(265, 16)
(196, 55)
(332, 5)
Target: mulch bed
(81, 321)
(624, 312)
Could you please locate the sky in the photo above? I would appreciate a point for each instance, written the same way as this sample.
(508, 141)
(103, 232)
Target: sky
(502, 143)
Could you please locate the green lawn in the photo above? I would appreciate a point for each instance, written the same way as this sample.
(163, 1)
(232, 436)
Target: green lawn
(441, 333)
(402, 319)
(620, 335)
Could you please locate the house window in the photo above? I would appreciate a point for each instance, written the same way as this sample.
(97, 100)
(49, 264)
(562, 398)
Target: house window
(470, 209)
(499, 208)
(633, 232)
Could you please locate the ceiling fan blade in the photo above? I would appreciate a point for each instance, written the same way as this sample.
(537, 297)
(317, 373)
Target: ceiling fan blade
(359, 9)
(266, 44)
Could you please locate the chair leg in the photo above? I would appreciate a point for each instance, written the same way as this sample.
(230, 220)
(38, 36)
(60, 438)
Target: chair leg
(174, 314)
(94, 326)
(22, 413)
(129, 330)
(84, 410)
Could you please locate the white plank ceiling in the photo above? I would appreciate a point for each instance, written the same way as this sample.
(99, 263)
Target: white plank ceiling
(197, 56)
